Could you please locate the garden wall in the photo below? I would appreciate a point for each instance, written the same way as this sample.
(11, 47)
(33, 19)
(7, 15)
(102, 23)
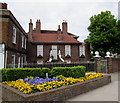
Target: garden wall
(107, 65)
(59, 94)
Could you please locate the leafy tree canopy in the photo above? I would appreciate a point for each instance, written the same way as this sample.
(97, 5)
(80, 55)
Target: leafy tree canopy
(104, 33)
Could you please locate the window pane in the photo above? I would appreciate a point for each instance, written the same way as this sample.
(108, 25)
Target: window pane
(14, 35)
(82, 50)
(13, 61)
(54, 51)
(67, 50)
(39, 50)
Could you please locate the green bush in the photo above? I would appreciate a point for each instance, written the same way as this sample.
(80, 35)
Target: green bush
(60, 77)
(14, 74)
(76, 72)
(17, 73)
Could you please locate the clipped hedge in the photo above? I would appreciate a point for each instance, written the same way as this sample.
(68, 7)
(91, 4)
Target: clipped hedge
(76, 72)
(16, 73)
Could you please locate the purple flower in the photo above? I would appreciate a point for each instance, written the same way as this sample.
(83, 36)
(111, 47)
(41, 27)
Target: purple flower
(37, 77)
(38, 80)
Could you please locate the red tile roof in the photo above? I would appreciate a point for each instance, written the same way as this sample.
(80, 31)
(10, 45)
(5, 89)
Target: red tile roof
(52, 38)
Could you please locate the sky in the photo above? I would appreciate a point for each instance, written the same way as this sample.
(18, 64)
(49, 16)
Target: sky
(52, 13)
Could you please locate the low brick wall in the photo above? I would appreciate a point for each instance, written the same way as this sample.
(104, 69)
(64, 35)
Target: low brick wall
(58, 94)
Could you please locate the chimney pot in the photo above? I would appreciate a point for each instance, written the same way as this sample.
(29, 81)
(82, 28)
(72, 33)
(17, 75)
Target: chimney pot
(38, 26)
(59, 28)
(30, 20)
(3, 6)
(64, 27)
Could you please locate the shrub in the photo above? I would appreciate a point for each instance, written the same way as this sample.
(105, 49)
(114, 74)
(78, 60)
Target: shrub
(76, 72)
(13, 74)
(60, 77)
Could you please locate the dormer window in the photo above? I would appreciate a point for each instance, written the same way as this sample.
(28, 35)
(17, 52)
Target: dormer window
(14, 35)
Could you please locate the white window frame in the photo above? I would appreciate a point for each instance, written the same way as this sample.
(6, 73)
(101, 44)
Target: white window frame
(68, 61)
(22, 41)
(25, 43)
(67, 50)
(19, 59)
(14, 35)
(82, 50)
(54, 50)
(39, 62)
(39, 50)
(22, 61)
(13, 60)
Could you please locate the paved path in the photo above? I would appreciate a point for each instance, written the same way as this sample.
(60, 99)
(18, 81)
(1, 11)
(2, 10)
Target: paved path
(106, 93)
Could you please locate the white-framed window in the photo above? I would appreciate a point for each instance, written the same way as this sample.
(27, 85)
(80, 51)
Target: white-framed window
(68, 61)
(14, 35)
(82, 50)
(54, 51)
(39, 50)
(22, 61)
(67, 50)
(13, 61)
(39, 62)
(19, 62)
(24, 42)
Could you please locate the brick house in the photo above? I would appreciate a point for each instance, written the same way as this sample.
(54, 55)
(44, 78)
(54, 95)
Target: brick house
(13, 39)
(55, 45)
(37, 46)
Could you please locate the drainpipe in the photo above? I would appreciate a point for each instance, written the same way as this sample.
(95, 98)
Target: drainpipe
(6, 59)
(3, 56)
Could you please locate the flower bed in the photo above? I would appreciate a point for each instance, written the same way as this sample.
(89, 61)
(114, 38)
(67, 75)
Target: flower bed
(52, 90)
(38, 84)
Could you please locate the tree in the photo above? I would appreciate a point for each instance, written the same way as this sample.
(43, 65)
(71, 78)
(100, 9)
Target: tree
(104, 33)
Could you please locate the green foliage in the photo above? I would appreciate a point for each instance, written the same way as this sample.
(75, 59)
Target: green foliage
(31, 77)
(17, 73)
(60, 77)
(11, 74)
(76, 72)
(103, 33)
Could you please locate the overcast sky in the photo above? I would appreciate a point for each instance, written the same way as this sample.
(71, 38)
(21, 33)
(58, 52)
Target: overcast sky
(52, 13)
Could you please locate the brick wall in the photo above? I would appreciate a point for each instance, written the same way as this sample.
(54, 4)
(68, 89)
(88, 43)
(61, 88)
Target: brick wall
(75, 53)
(7, 22)
(32, 52)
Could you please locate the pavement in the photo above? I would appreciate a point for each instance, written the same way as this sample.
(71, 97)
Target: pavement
(108, 92)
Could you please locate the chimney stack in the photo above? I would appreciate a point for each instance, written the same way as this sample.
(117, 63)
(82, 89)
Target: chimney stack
(38, 26)
(59, 34)
(3, 6)
(30, 30)
(59, 28)
(30, 26)
(64, 27)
